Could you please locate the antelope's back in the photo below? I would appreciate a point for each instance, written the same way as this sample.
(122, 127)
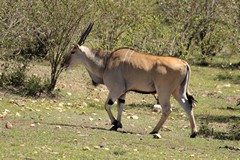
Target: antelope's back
(140, 61)
(143, 71)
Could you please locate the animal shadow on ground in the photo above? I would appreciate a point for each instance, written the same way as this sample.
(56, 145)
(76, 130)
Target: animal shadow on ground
(90, 127)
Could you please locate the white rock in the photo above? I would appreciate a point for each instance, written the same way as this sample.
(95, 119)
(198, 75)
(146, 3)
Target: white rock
(61, 104)
(157, 108)
(32, 125)
(17, 114)
(84, 104)
(8, 125)
(86, 148)
(1, 116)
(132, 117)
(58, 127)
(96, 100)
(96, 147)
(223, 85)
(69, 104)
(68, 93)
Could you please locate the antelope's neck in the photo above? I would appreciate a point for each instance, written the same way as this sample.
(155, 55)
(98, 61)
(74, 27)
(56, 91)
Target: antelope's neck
(94, 63)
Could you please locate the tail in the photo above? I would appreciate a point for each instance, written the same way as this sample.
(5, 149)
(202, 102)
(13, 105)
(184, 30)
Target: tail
(185, 84)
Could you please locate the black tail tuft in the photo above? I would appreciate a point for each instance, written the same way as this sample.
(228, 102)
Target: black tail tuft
(191, 99)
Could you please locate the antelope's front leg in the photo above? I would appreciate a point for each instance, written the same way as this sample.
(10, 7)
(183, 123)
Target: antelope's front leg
(108, 105)
(114, 122)
(115, 94)
(117, 123)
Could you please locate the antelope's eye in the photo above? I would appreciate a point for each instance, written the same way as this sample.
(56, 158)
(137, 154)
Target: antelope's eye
(72, 52)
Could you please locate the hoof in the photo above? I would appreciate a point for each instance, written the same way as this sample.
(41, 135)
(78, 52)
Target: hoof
(193, 135)
(157, 136)
(114, 128)
(116, 125)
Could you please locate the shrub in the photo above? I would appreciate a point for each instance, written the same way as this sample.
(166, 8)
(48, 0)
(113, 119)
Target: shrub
(205, 130)
(232, 133)
(14, 75)
(14, 78)
(33, 86)
(193, 30)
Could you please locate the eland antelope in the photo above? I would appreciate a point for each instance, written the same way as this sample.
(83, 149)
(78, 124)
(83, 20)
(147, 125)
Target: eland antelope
(125, 70)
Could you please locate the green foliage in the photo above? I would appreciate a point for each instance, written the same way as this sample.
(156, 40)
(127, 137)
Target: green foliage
(14, 75)
(15, 79)
(234, 129)
(233, 132)
(33, 86)
(43, 27)
(204, 130)
(193, 30)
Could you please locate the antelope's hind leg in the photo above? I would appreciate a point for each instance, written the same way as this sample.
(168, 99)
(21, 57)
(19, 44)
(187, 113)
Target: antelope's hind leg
(164, 101)
(186, 102)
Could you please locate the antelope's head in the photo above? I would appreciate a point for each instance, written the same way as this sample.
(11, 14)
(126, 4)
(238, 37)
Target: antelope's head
(75, 54)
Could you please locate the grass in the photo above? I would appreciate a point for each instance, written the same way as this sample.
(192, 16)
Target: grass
(74, 125)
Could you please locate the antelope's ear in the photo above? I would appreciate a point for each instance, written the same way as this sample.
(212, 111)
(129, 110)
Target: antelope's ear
(74, 48)
(85, 34)
(66, 61)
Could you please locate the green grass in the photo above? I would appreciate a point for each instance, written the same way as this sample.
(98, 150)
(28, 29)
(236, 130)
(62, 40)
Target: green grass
(72, 131)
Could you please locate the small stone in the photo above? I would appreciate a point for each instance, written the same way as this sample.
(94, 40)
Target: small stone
(61, 104)
(84, 104)
(58, 127)
(165, 128)
(8, 125)
(150, 127)
(223, 85)
(1, 116)
(22, 145)
(5, 112)
(219, 92)
(135, 150)
(132, 117)
(192, 155)
(69, 104)
(96, 147)
(172, 118)
(83, 112)
(86, 148)
(96, 100)
(32, 125)
(157, 108)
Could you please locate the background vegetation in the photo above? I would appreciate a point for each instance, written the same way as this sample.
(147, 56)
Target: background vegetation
(193, 30)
